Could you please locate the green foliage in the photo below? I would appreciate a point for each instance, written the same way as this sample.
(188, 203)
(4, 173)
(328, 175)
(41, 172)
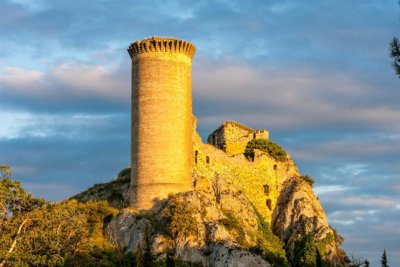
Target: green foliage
(232, 223)
(124, 175)
(64, 231)
(179, 219)
(100, 257)
(273, 149)
(318, 259)
(171, 261)
(308, 179)
(14, 201)
(308, 252)
(305, 252)
(69, 233)
(395, 54)
(269, 246)
(384, 262)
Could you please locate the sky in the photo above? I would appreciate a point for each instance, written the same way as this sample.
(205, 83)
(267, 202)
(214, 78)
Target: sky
(316, 74)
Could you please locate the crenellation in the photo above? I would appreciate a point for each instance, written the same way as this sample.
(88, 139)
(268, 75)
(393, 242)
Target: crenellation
(157, 44)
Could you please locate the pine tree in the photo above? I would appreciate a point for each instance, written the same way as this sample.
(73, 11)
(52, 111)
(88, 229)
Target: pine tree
(395, 54)
(318, 259)
(366, 263)
(384, 259)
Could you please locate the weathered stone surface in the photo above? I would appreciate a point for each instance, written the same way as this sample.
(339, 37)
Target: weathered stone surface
(119, 230)
(161, 119)
(227, 257)
(160, 244)
(299, 214)
(219, 234)
(232, 137)
(230, 199)
(250, 177)
(140, 235)
(228, 226)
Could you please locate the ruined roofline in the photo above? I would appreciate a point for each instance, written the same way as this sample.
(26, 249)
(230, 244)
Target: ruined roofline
(248, 129)
(161, 44)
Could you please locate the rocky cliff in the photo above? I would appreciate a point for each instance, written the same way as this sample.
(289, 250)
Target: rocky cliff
(240, 211)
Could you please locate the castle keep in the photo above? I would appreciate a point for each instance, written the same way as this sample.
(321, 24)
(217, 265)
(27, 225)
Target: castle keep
(161, 119)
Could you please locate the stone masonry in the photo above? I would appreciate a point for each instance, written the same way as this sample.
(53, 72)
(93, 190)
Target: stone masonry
(161, 119)
(232, 137)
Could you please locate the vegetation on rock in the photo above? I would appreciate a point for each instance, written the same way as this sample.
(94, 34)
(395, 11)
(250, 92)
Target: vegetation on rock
(273, 149)
(37, 233)
(308, 179)
(179, 219)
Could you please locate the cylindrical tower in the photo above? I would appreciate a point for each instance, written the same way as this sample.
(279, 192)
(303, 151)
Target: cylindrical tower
(161, 119)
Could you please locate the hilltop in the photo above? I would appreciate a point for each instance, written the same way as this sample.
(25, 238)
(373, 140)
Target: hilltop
(248, 205)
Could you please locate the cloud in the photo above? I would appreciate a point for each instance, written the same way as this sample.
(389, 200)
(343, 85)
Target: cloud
(288, 99)
(70, 85)
(316, 74)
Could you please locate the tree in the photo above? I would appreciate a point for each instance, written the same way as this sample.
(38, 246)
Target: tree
(216, 186)
(274, 150)
(384, 259)
(395, 54)
(15, 207)
(366, 263)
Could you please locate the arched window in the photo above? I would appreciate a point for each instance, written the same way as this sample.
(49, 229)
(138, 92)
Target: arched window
(275, 167)
(207, 159)
(254, 135)
(195, 156)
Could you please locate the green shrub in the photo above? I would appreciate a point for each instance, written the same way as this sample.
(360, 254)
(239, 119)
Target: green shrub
(179, 219)
(308, 179)
(273, 149)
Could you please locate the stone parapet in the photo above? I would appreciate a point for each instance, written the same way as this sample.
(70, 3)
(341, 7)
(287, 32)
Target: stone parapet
(158, 44)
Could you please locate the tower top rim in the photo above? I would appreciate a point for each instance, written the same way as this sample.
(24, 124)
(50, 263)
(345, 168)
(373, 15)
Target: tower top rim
(161, 44)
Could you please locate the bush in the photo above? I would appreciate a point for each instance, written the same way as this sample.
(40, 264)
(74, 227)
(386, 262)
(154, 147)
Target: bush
(273, 149)
(179, 219)
(308, 179)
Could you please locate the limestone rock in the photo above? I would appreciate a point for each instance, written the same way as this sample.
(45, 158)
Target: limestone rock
(119, 230)
(140, 235)
(299, 214)
(160, 244)
(219, 234)
(227, 257)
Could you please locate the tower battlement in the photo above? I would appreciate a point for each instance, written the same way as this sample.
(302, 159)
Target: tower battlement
(160, 44)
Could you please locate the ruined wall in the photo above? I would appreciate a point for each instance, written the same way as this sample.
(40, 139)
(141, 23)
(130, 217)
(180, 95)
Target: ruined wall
(232, 137)
(261, 181)
(161, 119)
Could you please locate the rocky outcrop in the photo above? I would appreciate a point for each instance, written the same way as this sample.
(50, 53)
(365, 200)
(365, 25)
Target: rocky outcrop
(197, 228)
(115, 192)
(299, 218)
(239, 213)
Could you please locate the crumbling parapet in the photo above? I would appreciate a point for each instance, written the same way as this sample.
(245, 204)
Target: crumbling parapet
(232, 137)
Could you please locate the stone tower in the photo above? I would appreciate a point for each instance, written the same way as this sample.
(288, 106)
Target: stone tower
(161, 119)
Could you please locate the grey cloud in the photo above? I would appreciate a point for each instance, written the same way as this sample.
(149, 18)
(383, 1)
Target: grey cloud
(67, 87)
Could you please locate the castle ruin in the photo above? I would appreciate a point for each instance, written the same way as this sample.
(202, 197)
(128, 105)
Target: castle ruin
(161, 149)
(168, 155)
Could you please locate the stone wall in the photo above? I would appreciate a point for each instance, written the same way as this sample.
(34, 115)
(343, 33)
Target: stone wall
(261, 181)
(232, 137)
(161, 119)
